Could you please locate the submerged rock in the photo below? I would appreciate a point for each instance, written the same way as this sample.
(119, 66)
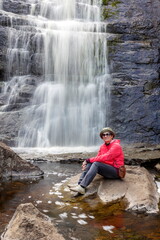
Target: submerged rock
(137, 190)
(11, 165)
(29, 223)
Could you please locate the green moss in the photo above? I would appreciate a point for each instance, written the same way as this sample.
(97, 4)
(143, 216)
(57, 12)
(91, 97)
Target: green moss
(113, 3)
(107, 13)
(105, 2)
(110, 10)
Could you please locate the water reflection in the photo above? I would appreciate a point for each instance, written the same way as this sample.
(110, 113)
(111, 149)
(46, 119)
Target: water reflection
(75, 218)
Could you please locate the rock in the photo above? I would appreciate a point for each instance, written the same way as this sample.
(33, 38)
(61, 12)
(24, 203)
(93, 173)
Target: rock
(133, 54)
(28, 223)
(11, 165)
(157, 167)
(137, 190)
(142, 155)
(3, 51)
(10, 123)
(18, 6)
(37, 64)
(13, 114)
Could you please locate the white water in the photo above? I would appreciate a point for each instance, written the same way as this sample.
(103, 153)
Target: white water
(158, 186)
(72, 104)
(44, 152)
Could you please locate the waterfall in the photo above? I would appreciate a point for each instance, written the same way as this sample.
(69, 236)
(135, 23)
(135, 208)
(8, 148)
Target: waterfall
(71, 104)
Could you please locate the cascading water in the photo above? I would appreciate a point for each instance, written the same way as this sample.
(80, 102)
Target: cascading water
(72, 104)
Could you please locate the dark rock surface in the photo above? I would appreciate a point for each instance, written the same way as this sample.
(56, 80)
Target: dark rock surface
(11, 165)
(18, 6)
(135, 67)
(3, 49)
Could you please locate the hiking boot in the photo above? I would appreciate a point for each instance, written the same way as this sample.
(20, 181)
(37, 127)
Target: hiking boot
(78, 189)
(71, 185)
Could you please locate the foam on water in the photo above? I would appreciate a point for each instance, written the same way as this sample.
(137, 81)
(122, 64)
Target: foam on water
(54, 150)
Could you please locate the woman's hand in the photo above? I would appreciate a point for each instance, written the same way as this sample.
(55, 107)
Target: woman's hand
(84, 164)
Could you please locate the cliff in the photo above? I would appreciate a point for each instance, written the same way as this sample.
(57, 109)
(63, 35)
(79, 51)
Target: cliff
(135, 67)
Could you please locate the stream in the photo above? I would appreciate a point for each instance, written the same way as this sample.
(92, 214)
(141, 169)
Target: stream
(74, 218)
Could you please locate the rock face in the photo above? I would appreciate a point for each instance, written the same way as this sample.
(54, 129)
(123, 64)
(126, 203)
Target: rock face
(11, 165)
(29, 223)
(135, 67)
(137, 190)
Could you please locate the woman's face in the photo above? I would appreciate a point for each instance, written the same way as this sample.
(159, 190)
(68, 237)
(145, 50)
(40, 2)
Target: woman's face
(107, 137)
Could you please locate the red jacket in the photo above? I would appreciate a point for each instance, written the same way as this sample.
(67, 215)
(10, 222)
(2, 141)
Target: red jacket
(111, 154)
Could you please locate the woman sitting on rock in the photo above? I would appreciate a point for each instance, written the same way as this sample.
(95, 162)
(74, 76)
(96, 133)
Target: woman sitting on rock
(107, 162)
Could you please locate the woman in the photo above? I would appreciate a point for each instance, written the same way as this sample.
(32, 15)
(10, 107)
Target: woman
(107, 162)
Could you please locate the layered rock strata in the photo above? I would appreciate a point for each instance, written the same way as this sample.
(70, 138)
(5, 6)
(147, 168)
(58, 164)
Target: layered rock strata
(135, 68)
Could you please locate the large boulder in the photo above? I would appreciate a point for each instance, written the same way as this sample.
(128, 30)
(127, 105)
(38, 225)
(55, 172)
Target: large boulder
(11, 165)
(28, 223)
(137, 190)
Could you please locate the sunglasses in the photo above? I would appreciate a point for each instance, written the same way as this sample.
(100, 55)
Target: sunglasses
(106, 134)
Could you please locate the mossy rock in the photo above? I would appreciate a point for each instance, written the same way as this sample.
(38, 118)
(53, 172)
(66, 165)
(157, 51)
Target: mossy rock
(113, 3)
(109, 8)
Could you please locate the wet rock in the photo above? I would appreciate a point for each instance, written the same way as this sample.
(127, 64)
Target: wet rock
(137, 190)
(14, 20)
(29, 223)
(37, 64)
(11, 165)
(18, 6)
(3, 50)
(12, 114)
(10, 123)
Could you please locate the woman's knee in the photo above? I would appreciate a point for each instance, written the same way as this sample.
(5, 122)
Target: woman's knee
(96, 164)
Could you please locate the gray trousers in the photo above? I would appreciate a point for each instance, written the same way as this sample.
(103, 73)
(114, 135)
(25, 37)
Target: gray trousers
(105, 170)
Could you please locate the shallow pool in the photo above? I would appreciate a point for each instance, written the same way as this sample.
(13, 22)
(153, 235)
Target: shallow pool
(75, 218)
